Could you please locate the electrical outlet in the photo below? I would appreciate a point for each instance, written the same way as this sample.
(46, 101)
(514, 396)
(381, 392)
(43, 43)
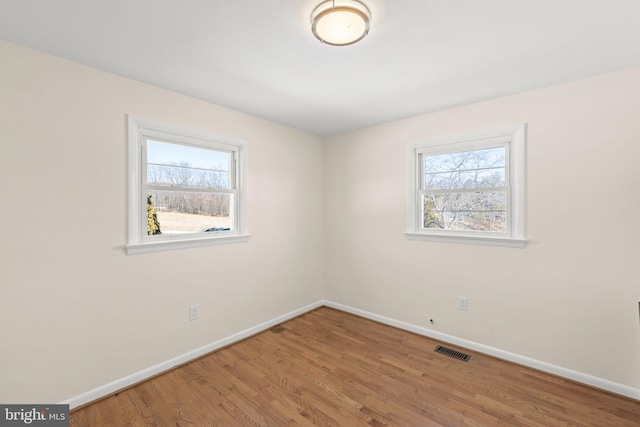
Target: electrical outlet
(462, 303)
(194, 312)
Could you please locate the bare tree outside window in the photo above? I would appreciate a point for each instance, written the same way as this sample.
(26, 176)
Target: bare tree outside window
(465, 190)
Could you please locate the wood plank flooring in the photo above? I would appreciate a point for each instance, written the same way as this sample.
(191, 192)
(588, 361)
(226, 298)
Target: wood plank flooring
(329, 368)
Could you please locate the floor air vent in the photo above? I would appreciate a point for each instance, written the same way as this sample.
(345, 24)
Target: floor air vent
(453, 353)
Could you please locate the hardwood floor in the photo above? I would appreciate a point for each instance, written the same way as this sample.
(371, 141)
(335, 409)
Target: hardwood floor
(329, 368)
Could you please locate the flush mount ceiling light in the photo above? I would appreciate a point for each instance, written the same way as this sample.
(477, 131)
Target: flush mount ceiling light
(340, 22)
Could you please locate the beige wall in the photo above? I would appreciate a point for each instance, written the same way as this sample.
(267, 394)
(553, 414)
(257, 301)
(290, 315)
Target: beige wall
(570, 298)
(76, 313)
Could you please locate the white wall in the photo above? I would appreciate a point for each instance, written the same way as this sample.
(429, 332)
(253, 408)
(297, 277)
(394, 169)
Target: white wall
(570, 298)
(75, 312)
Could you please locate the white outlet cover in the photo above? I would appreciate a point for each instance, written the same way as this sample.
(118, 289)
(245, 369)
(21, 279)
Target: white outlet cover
(194, 312)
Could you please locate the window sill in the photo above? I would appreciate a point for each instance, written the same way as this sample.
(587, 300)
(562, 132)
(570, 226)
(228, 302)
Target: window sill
(509, 242)
(170, 245)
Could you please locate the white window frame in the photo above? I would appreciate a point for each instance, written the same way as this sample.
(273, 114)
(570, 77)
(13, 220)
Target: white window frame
(514, 139)
(141, 129)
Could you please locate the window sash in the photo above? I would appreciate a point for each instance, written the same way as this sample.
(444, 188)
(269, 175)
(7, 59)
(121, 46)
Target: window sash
(469, 146)
(233, 167)
(447, 217)
(147, 187)
(166, 235)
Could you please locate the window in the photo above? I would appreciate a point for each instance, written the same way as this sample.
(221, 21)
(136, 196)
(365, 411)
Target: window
(469, 189)
(187, 188)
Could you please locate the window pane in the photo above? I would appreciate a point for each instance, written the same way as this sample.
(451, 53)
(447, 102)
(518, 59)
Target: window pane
(481, 211)
(466, 169)
(180, 212)
(181, 165)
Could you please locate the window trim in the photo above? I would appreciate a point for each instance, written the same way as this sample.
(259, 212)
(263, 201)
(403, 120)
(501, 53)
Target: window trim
(140, 129)
(515, 139)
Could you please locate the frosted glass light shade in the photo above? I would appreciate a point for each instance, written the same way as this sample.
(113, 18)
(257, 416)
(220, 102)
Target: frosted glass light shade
(340, 22)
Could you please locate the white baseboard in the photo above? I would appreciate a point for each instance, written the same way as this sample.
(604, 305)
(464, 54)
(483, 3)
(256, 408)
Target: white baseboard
(152, 371)
(590, 380)
(137, 377)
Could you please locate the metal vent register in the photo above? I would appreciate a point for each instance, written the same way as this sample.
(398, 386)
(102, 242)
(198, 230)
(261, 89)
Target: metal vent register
(453, 353)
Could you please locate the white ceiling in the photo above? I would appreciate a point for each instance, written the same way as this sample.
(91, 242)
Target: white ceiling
(259, 56)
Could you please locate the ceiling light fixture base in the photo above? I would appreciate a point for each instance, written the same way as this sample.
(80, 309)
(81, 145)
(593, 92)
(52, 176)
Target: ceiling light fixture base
(340, 22)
